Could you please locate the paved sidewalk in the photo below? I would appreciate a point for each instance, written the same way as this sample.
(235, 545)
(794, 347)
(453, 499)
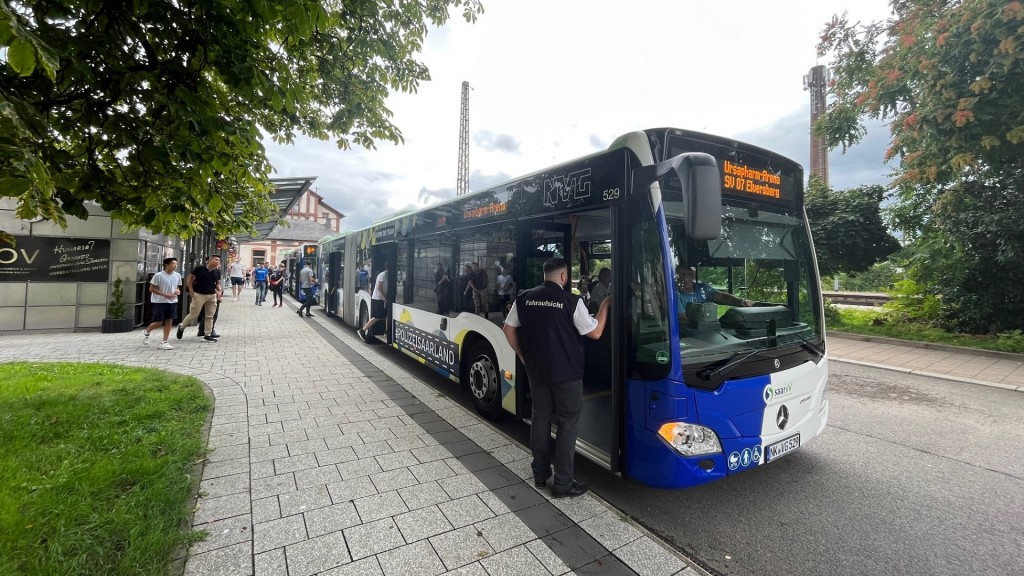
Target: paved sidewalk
(962, 365)
(328, 459)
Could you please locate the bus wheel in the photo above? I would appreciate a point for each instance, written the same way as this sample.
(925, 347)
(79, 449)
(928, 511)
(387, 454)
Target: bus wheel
(362, 318)
(483, 381)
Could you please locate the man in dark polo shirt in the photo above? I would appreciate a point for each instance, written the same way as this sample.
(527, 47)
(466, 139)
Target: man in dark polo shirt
(544, 328)
(204, 288)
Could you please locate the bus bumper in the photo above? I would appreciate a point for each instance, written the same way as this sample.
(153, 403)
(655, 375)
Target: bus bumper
(757, 420)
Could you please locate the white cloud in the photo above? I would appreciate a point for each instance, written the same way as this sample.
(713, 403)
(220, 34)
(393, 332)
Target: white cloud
(556, 80)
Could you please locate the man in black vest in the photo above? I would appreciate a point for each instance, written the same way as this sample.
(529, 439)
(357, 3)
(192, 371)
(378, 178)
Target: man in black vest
(544, 328)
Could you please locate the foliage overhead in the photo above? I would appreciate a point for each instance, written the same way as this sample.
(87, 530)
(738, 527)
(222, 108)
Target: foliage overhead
(849, 235)
(155, 109)
(946, 74)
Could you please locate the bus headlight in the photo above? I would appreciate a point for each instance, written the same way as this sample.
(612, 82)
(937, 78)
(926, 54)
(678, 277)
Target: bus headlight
(690, 439)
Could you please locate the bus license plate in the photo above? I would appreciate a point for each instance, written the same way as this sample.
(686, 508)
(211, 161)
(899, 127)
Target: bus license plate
(782, 447)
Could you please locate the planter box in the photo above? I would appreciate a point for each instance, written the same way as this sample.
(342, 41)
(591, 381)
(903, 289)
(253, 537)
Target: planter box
(111, 325)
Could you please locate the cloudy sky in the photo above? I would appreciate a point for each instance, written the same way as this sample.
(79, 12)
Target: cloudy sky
(556, 79)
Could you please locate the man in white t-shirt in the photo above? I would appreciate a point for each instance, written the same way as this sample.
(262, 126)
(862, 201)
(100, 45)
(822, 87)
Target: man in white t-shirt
(164, 289)
(378, 303)
(237, 274)
(506, 289)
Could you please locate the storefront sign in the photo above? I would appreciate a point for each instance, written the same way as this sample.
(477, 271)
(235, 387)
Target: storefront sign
(36, 259)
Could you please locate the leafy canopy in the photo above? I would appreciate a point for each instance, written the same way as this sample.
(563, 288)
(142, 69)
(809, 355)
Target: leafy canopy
(849, 234)
(946, 74)
(155, 109)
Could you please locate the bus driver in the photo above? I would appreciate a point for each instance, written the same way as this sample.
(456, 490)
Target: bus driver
(691, 291)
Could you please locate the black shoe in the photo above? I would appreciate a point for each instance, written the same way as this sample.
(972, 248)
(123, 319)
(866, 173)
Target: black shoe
(201, 334)
(212, 339)
(309, 315)
(214, 334)
(299, 312)
(181, 331)
(540, 483)
(574, 489)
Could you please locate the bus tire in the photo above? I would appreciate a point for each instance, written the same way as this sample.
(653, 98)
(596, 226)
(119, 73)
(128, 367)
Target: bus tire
(484, 381)
(363, 319)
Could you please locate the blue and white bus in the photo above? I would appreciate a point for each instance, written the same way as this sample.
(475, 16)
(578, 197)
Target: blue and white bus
(674, 396)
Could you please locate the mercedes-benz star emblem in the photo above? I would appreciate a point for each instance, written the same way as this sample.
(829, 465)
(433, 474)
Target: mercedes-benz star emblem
(777, 364)
(782, 418)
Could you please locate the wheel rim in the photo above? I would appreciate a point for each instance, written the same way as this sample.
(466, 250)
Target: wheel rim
(483, 379)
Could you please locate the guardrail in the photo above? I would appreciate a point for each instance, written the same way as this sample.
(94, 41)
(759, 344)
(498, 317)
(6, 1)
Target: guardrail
(857, 298)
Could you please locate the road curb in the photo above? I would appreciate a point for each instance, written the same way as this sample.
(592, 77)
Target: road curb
(929, 346)
(931, 374)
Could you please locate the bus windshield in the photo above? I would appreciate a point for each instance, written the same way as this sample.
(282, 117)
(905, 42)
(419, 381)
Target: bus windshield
(764, 257)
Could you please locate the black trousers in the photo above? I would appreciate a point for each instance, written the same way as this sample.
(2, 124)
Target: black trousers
(560, 402)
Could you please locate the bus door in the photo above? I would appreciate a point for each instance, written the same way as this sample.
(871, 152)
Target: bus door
(381, 253)
(536, 242)
(600, 419)
(335, 273)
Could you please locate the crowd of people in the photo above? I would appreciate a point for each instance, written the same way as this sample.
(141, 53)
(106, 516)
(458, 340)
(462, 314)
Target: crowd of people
(206, 293)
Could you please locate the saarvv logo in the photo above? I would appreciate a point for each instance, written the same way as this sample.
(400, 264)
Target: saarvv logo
(772, 392)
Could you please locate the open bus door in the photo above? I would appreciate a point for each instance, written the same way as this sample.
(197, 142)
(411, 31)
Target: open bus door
(335, 274)
(536, 242)
(599, 427)
(381, 253)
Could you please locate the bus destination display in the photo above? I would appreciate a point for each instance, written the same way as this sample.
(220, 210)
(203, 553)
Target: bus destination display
(740, 178)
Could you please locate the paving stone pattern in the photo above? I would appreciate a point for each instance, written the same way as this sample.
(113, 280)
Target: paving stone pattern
(328, 459)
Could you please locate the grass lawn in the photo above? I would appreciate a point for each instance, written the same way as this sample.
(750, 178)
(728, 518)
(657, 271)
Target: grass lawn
(874, 323)
(94, 470)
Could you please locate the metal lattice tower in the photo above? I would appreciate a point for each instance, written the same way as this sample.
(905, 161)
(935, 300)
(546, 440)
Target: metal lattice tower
(462, 182)
(814, 82)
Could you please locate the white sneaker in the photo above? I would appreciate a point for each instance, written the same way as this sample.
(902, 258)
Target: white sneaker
(166, 346)
(145, 338)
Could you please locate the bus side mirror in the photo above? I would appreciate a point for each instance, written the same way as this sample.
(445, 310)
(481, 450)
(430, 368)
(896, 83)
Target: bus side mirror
(702, 190)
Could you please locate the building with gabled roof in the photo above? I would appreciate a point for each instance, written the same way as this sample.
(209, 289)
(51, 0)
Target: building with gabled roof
(307, 221)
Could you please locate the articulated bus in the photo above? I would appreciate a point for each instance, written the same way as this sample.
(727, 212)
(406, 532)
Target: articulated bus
(674, 396)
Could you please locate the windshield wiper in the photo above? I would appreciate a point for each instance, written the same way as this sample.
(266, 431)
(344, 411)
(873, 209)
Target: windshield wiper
(771, 341)
(711, 374)
(807, 343)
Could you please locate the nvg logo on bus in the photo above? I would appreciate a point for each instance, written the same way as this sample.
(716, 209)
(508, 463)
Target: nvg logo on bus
(772, 392)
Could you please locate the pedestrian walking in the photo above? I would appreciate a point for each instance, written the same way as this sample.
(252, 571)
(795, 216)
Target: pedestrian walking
(544, 328)
(260, 276)
(306, 282)
(378, 303)
(236, 272)
(204, 289)
(164, 289)
(277, 278)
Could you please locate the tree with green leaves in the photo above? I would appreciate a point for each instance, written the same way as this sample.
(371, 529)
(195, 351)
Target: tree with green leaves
(157, 109)
(946, 75)
(847, 227)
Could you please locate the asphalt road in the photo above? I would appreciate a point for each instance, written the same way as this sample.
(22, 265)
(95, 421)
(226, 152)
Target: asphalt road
(913, 476)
